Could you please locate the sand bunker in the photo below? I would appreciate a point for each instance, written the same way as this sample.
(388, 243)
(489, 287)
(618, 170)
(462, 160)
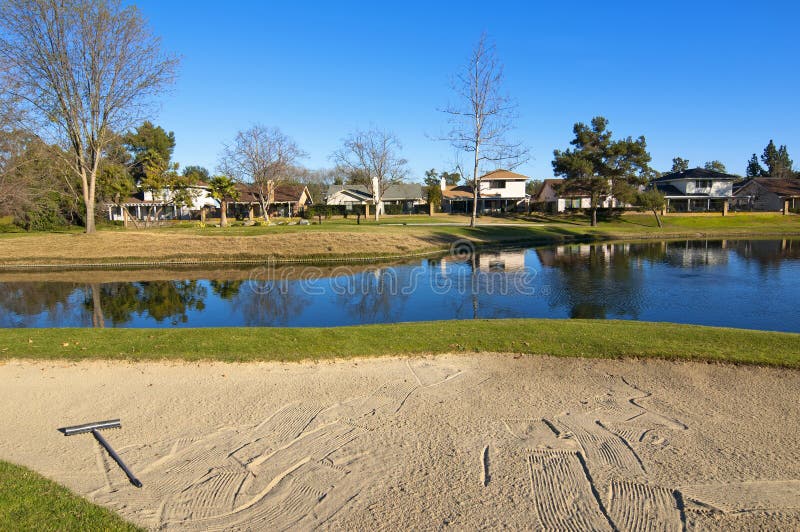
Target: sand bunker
(466, 441)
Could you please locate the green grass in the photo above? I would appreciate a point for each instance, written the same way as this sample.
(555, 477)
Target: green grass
(563, 338)
(29, 501)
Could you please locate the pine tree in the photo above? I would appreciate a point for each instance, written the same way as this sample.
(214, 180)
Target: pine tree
(680, 164)
(777, 161)
(599, 167)
(754, 168)
(715, 166)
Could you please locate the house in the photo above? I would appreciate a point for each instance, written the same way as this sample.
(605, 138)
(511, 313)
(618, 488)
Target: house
(287, 201)
(768, 194)
(405, 196)
(696, 190)
(499, 191)
(551, 199)
(160, 205)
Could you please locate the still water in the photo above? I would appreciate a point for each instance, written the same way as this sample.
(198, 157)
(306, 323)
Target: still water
(752, 284)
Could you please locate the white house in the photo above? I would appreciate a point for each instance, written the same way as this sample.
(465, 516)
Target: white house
(499, 191)
(696, 190)
(407, 195)
(148, 205)
(550, 199)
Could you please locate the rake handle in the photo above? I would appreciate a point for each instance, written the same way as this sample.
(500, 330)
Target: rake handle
(97, 436)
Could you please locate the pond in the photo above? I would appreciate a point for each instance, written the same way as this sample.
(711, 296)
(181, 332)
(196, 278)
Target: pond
(752, 284)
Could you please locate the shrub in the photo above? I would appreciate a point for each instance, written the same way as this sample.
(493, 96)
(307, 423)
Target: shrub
(393, 209)
(42, 220)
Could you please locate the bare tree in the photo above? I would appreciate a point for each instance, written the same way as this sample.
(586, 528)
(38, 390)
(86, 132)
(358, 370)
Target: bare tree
(264, 157)
(483, 117)
(375, 155)
(84, 68)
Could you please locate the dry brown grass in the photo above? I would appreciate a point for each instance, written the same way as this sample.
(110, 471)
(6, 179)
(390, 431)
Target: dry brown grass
(154, 246)
(229, 272)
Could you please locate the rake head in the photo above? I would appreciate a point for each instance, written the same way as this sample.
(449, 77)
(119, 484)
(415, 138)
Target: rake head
(89, 427)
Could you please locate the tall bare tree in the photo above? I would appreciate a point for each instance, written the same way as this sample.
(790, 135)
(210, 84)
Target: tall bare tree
(483, 117)
(85, 68)
(264, 157)
(374, 154)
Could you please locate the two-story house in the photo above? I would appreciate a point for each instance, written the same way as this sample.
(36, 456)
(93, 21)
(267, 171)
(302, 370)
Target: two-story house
(696, 190)
(499, 191)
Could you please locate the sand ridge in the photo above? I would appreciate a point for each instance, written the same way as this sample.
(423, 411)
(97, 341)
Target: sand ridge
(468, 441)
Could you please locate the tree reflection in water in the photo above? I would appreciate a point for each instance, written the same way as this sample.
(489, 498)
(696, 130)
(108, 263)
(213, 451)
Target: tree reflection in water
(159, 300)
(597, 281)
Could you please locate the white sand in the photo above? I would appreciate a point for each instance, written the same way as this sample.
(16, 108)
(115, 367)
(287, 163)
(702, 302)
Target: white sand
(467, 441)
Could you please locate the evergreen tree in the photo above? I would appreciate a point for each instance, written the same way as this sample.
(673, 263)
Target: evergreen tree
(777, 161)
(601, 168)
(715, 166)
(679, 164)
(754, 168)
(147, 144)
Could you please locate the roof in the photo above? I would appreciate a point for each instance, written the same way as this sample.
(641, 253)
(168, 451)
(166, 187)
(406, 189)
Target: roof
(288, 193)
(394, 192)
(696, 173)
(458, 191)
(787, 188)
(249, 193)
(504, 175)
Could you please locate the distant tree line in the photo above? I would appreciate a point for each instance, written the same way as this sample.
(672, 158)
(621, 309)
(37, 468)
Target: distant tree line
(774, 162)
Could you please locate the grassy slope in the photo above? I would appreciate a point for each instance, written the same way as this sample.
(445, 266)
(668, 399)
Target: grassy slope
(585, 338)
(29, 501)
(343, 238)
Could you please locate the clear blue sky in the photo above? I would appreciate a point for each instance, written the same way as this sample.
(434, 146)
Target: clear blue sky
(701, 80)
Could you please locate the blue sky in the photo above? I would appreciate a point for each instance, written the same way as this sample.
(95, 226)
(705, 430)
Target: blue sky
(701, 80)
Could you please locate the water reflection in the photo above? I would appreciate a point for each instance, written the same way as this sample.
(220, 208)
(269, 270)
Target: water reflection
(710, 282)
(598, 281)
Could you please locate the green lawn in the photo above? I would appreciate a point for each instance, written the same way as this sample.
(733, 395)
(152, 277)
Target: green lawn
(565, 338)
(29, 501)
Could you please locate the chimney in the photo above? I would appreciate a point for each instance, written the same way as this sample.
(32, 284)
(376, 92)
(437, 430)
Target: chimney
(443, 184)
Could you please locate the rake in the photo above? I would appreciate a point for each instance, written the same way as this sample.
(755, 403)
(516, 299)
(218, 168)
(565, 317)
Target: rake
(95, 429)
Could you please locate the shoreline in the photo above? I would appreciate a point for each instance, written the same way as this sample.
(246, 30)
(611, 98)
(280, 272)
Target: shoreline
(331, 258)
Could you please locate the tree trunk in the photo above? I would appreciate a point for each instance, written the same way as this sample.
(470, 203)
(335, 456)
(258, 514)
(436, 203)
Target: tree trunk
(658, 218)
(90, 227)
(594, 216)
(223, 215)
(476, 187)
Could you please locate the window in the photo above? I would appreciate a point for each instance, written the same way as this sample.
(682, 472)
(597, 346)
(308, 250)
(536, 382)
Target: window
(497, 184)
(702, 183)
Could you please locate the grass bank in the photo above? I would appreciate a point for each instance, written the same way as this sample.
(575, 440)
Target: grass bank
(564, 338)
(29, 501)
(343, 239)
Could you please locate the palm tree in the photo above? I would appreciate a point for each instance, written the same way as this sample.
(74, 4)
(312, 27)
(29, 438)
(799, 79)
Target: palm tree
(222, 189)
